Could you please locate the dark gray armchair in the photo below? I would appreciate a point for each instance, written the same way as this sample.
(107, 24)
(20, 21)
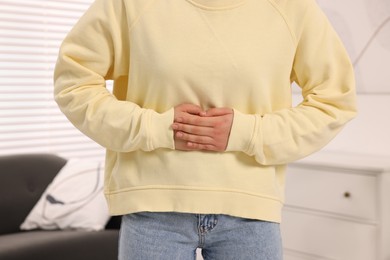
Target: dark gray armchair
(23, 179)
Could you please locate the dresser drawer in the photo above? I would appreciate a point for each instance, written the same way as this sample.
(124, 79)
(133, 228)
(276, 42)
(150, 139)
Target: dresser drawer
(343, 193)
(328, 238)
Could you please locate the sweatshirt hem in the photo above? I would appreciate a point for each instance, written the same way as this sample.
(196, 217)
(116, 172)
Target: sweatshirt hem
(195, 200)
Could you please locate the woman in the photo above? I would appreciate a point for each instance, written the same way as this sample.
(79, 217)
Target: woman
(200, 126)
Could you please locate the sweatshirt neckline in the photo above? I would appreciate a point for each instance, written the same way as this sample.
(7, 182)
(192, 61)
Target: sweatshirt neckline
(217, 4)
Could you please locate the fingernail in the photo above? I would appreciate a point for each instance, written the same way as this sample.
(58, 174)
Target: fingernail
(175, 126)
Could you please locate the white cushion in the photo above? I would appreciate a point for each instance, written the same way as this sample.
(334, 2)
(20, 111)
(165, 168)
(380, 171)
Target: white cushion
(74, 200)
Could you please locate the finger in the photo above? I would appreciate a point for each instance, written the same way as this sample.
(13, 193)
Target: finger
(193, 129)
(196, 120)
(196, 146)
(218, 111)
(192, 109)
(199, 139)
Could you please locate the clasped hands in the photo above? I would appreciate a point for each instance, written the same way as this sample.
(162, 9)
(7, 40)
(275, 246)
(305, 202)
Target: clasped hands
(196, 129)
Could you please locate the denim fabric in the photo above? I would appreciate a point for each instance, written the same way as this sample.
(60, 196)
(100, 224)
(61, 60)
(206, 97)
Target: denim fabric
(171, 236)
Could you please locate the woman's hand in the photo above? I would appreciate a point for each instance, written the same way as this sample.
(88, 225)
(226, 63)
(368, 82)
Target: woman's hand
(195, 129)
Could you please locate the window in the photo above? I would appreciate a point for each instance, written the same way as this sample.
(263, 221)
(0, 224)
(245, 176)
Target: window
(30, 121)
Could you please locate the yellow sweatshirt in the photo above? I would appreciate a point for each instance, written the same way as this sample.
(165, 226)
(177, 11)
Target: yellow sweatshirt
(242, 54)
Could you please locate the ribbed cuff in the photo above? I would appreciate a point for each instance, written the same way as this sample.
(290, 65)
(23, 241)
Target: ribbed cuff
(242, 133)
(161, 130)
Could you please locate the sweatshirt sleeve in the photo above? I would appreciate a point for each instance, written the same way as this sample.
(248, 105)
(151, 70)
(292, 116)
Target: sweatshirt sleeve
(96, 50)
(323, 70)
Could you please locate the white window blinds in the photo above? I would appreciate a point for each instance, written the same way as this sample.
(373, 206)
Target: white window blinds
(30, 122)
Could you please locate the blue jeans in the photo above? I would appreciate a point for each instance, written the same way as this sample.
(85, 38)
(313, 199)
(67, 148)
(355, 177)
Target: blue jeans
(171, 236)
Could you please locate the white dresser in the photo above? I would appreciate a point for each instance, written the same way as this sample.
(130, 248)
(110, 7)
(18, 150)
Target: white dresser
(337, 208)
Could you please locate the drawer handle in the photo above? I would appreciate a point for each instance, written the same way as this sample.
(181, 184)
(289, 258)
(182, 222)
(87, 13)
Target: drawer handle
(347, 194)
